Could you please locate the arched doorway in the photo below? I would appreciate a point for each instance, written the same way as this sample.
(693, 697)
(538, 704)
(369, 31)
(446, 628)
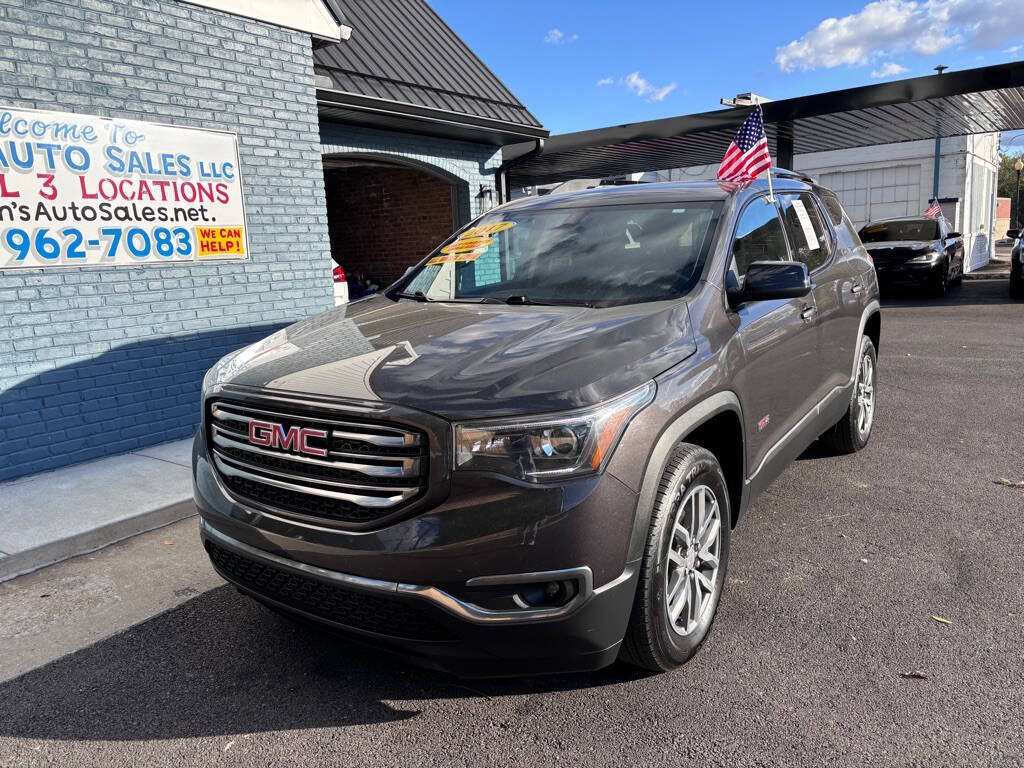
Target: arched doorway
(385, 213)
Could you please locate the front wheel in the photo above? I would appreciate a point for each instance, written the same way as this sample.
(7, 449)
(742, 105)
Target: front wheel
(852, 432)
(683, 570)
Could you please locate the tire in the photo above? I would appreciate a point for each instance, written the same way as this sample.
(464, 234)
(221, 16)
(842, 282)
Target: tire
(653, 640)
(1017, 285)
(847, 435)
(940, 286)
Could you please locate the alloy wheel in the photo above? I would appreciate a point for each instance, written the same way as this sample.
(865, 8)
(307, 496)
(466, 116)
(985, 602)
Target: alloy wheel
(865, 395)
(692, 560)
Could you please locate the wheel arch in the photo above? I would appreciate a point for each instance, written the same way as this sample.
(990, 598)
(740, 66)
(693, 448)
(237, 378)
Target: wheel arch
(715, 423)
(873, 328)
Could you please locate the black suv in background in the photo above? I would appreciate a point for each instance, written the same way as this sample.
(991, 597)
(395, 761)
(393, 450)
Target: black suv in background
(529, 454)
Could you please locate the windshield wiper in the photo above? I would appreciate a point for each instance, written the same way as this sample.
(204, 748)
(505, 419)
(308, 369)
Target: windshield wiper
(526, 300)
(415, 296)
(523, 300)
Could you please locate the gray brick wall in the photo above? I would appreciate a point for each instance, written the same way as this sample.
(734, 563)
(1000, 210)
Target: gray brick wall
(95, 361)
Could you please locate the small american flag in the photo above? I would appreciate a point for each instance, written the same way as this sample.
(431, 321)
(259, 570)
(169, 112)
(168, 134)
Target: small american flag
(933, 211)
(748, 154)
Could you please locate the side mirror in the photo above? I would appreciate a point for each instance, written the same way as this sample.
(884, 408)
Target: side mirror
(767, 280)
(953, 235)
(1013, 234)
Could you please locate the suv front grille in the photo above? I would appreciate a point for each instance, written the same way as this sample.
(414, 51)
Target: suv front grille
(327, 467)
(372, 613)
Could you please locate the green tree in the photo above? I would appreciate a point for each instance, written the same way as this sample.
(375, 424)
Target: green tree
(1006, 184)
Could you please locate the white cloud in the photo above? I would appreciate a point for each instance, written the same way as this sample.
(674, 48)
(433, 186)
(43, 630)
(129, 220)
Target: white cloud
(884, 27)
(1013, 49)
(558, 37)
(645, 89)
(605, 81)
(889, 69)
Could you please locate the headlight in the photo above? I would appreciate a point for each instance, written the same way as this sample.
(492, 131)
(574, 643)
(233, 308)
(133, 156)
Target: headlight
(926, 258)
(545, 447)
(221, 370)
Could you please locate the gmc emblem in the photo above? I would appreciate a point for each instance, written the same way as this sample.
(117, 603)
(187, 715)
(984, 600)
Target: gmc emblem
(294, 440)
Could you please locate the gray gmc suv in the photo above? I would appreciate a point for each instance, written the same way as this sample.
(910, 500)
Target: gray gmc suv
(530, 453)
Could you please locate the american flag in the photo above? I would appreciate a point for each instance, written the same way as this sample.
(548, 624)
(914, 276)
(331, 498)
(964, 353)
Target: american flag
(934, 211)
(748, 154)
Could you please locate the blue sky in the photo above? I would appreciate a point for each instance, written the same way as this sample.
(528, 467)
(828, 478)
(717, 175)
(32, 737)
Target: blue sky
(655, 59)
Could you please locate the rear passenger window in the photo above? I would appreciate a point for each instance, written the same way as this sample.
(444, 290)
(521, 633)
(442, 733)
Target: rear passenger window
(832, 206)
(809, 238)
(759, 237)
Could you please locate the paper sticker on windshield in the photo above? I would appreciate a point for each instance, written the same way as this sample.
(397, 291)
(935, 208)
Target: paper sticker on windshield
(487, 229)
(805, 224)
(454, 258)
(467, 244)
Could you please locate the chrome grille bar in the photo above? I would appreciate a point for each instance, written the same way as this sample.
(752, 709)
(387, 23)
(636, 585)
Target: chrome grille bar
(373, 502)
(398, 438)
(401, 468)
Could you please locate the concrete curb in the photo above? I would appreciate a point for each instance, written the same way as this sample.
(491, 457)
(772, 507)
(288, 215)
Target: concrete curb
(987, 275)
(53, 516)
(83, 543)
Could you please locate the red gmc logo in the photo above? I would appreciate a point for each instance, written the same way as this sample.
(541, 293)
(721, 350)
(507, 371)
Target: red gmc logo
(295, 439)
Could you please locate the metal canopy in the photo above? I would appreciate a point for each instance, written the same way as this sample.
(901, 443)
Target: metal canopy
(403, 68)
(954, 104)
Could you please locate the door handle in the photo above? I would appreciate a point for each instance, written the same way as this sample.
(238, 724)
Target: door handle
(808, 313)
(856, 288)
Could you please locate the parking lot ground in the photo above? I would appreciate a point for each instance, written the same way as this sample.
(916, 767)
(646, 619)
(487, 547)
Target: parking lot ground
(828, 648)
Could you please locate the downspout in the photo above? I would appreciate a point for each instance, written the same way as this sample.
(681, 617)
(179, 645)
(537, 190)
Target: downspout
(501, 176)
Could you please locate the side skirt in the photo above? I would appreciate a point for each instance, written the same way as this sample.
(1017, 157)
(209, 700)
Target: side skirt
(793, 443)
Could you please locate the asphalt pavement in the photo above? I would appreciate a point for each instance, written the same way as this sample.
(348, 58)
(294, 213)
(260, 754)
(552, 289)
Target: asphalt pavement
(873, 615)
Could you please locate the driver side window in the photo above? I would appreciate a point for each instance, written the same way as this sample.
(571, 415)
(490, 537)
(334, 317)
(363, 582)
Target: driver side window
(759, 237)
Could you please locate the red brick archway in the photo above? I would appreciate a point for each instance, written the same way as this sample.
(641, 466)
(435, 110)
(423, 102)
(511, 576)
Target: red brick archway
(383, 216)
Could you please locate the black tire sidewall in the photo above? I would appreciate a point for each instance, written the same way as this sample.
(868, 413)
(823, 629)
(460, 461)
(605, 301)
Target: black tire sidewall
(702, 469)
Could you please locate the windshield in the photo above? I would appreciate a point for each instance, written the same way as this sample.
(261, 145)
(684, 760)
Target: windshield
(911, 229)
(598, 256)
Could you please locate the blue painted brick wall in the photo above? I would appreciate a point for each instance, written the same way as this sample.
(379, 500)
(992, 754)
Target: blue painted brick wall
(95, 361)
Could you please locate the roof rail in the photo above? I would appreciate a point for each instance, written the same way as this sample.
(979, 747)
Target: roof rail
(785, 173)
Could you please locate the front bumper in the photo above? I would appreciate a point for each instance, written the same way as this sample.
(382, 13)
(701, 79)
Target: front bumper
(430, 587)
(908, 274)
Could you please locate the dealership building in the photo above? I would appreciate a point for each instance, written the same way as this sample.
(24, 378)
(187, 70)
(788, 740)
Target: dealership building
(355, 133)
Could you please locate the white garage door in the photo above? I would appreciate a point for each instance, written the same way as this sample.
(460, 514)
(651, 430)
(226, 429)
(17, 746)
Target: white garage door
(879, 193)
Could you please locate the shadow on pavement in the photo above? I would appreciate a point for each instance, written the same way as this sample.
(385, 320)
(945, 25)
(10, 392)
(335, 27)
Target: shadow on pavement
(221, 664)
(989, 291)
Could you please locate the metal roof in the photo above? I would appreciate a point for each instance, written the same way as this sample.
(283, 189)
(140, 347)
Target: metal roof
(953, 104)
(403, 64)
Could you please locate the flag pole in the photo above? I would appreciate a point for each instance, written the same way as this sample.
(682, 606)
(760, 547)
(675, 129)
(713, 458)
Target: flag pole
(771, 190)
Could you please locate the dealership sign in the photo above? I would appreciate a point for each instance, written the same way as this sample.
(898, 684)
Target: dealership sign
(77, 190)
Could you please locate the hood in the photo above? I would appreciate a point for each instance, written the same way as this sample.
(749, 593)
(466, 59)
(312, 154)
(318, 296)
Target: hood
(900, 250)
(470, 360)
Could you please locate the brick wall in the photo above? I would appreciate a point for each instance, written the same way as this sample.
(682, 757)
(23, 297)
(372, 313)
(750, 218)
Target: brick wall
(467, 165)
(383, 220)
(95, 361)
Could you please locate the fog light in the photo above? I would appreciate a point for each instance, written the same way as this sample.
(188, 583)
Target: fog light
(547, 594)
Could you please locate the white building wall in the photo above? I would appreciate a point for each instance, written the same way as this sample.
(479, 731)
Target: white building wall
(897, 180)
